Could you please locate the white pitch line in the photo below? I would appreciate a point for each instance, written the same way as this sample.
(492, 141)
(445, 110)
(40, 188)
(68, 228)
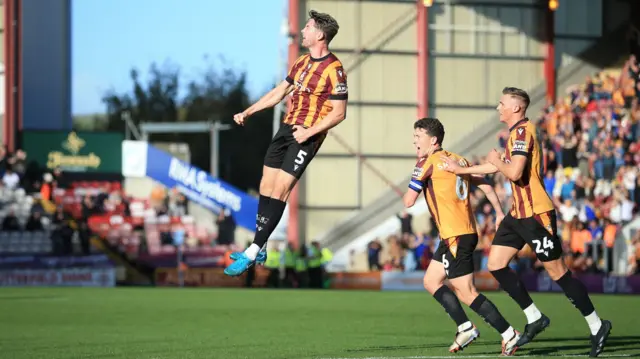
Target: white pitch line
(492, 356)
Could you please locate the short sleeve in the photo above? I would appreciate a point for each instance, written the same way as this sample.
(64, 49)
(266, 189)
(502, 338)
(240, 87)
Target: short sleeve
(421, 174)
(521, 142)
(338, 78)
(294, 68)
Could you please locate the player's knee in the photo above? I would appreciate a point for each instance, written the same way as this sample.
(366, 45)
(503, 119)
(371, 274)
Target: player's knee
(431, 285)
(280, 191)
(555, 268)
(495, 264)
(468, 296)
(266, 187)
(466, 293)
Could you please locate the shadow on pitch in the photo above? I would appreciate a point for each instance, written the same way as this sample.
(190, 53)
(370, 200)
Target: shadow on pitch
(630, 342)
(29, 297)
(410, 347)
(614, 343)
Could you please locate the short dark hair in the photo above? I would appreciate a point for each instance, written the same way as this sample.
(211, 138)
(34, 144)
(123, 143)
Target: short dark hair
(325, 23)
(432, 126)
(520, 94)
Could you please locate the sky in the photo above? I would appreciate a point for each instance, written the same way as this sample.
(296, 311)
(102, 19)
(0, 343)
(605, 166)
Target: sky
(110, 37)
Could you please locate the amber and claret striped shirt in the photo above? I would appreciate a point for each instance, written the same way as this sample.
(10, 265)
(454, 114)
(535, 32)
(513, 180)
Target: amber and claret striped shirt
(529, 195)
(447, 194)
(315, 81)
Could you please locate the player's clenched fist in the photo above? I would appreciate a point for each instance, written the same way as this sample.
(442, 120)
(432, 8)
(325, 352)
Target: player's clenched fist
(239, 118)
(301, 134)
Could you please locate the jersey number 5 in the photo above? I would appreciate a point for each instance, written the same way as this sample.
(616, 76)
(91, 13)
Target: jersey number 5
(462, 189)
(300, 158)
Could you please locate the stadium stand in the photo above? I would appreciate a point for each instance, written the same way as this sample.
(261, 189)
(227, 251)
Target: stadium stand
(48, 216)
(591, 140)
(24, 227)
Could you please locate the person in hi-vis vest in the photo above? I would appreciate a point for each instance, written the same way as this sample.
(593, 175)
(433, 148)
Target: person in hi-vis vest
(290, 257)
(315, 265)
(326, 257)
(273, 265)
(302, 275)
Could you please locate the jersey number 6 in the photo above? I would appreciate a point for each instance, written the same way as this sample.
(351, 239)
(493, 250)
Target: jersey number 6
(445, 263)
(462, 189)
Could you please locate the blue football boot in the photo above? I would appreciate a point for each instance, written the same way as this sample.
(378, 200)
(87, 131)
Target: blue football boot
(239, 266)
(260, 258)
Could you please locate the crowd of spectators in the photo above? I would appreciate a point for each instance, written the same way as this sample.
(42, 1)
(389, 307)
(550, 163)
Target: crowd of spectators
(591, 149)
(28, 207)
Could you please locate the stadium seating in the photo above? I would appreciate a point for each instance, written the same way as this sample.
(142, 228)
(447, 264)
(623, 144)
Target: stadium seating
(21, 242)
(25, 242)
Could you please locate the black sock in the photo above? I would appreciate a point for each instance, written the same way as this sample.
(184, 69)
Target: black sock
(263, 202)
(451, 304)
(488, 311)
(511, 284)
(269, 221)
(577, 293)
(263, 205)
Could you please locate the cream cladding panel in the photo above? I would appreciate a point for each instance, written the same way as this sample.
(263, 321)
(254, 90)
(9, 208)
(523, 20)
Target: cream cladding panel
(458, 122)
(468, 81)
(380, 129)
(380, 77)
(387, 130)
(320, 221)
(369, 24)
(395, 170)
(331, 182)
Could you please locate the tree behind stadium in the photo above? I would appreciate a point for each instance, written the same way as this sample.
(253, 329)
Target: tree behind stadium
(219, 90)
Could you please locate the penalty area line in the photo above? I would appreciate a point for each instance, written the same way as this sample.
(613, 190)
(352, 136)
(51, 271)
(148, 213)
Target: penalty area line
(488, 356)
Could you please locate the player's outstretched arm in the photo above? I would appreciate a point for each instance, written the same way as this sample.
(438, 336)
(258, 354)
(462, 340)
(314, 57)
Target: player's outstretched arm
(452, 166)
(512, 170)
(270, 99)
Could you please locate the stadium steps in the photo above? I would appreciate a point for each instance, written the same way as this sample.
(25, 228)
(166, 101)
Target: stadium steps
(126, 271)
(601, 55)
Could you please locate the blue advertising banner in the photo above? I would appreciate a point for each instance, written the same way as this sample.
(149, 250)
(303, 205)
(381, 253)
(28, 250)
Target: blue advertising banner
(200, 187)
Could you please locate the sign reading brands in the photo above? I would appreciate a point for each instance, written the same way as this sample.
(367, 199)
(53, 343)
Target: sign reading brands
(200, 187)
(67, 277)
(75, 151)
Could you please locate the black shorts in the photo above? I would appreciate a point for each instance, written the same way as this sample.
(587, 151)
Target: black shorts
(456, 254)
(539, 232)
(287, 154)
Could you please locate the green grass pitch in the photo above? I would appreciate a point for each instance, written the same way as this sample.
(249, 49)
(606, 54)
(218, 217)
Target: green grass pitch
(162, 323)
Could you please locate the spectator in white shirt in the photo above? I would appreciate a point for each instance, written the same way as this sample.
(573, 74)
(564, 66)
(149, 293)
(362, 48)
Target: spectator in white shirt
(11, 180)
(568, 211)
